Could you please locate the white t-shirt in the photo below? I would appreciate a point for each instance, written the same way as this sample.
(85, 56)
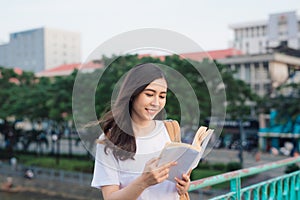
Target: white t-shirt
(109, 171)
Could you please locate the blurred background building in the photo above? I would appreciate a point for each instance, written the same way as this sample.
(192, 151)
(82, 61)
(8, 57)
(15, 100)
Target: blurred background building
(40, 49)
(257, 37)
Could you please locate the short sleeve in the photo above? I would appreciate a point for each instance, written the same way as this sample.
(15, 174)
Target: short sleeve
(105, 169)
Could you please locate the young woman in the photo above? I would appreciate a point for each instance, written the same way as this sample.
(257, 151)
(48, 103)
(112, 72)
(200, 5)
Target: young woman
(126, 165)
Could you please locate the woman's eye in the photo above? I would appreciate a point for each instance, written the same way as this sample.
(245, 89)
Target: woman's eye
(162, 97)
(149, 95)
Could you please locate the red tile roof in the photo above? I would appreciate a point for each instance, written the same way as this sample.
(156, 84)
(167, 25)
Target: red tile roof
(161, 57)
(213, 55)
(67, 69)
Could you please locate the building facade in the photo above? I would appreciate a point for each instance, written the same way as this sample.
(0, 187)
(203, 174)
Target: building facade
(264, 72)
(258, 36)
(40, 49)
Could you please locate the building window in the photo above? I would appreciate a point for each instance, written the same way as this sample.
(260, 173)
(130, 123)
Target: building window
(247, 73)
(240, 33)
(237, 73)
(267, 88)
(282, 25)
(260, 46)
(258, 31)
(264, 30)
(236, 35)
(246, 32)
(247, 47)
(256, 71)
(256, 88)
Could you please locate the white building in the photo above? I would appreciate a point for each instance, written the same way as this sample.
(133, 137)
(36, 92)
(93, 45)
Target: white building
(40, 49)
(264, 72)
(257, 36)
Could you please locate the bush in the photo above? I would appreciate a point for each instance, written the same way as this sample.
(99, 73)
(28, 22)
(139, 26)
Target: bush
(219, 166)
(203, 173)
(204, 165)
(232, 166)
(291, 168)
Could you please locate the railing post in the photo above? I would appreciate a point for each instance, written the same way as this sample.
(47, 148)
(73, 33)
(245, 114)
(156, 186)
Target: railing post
(272, 193)
(247, 195)
(292, 188)
(286, 188)
(256, 193)
(297, 188)
(264, 192)
(235, 186)
(279, 189)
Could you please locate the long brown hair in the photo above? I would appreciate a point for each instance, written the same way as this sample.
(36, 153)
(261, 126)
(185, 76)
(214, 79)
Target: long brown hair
(116, 124)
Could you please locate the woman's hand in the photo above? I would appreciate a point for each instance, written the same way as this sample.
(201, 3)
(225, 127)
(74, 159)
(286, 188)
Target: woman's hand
(153, 174)
(183, 184)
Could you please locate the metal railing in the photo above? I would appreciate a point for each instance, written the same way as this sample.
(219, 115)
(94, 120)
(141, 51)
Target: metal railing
(283, 187)
(286, 186)
(49, 174)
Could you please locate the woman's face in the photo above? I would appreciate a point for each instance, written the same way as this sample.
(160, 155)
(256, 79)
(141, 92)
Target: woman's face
(150, 101)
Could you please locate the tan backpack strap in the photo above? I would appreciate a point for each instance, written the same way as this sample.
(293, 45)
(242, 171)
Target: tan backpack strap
(173, 129)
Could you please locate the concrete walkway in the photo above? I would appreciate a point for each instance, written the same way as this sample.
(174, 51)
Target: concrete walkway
(54, 188)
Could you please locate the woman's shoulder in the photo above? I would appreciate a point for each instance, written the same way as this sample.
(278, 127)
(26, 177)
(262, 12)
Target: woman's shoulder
(170, 121)
(101, 140)
(102, 144)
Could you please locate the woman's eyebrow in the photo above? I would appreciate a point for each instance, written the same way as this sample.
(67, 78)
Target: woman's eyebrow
(151, 90)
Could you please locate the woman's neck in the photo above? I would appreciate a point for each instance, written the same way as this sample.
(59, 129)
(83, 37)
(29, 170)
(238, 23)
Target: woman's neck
(143, 129)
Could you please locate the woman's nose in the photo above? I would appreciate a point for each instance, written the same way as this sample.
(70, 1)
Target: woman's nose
(155, 101)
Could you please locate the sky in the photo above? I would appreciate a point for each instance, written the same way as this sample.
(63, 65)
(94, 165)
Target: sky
(204, 21)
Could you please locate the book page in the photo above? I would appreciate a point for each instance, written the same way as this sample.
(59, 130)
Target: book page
(204, 143)
(199, 136)
(183, 155)
(187, 156)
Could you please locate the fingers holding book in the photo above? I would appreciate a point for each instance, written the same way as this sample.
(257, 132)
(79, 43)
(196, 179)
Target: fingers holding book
(182, 185)
(154, 174)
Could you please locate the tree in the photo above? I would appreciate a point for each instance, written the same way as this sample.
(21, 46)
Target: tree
(237, 92)
(286, 104)
(40, 98)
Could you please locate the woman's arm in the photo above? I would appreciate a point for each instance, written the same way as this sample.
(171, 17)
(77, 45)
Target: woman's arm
(151, 176)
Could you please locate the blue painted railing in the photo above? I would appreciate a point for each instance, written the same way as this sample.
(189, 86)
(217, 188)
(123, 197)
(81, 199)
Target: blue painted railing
(283, 187)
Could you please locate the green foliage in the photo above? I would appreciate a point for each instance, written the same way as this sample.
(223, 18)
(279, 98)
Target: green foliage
(203, 173)
(204, 165)
(51, 98)
(291, 168)
(68, 164)
(286, 104)
(232, 166)
(219, 166)
(225, 167)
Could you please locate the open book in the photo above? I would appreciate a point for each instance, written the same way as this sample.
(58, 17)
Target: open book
(187, 156)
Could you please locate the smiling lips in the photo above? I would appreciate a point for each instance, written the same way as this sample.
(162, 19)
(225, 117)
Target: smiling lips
(152, 111)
